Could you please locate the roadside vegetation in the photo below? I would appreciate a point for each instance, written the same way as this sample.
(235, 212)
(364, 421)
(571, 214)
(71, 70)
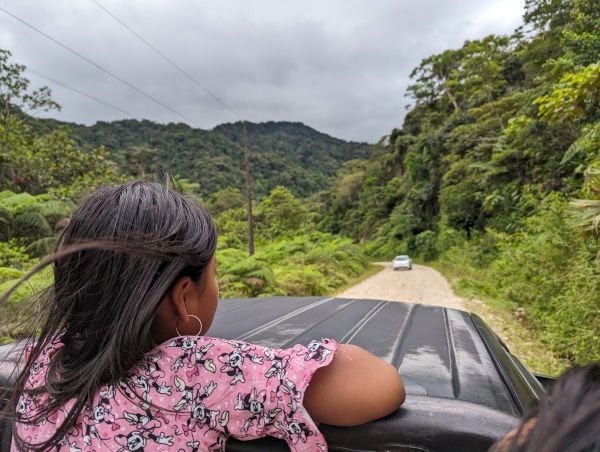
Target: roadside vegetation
(495, 176)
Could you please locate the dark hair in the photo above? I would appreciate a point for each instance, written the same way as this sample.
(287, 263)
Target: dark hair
(122, 251)
(567, 418)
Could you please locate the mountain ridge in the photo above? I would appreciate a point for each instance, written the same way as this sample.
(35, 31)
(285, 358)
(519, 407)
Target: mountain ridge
(285, 153)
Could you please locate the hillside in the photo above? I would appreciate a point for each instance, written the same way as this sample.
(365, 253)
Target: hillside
(495, 174)
(282, 153)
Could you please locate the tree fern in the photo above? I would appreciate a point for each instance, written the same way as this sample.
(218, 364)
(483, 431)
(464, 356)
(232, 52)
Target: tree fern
(16, 202)
(586, 213)
(587, 143)
(41, 247)
(7, 273)
(32, 225)
(6, 194)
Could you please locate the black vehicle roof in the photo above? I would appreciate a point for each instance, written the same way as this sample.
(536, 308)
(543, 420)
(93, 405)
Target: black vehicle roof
(438, 351)
(464, 389)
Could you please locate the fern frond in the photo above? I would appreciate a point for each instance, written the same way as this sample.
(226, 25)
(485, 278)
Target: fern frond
(41, 247)
(6, 194)
(31, 224)
(587, 143)
(17, 201)
(10, 273)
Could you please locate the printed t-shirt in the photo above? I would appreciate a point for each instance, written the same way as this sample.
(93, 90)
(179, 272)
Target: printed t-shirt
(190, 394)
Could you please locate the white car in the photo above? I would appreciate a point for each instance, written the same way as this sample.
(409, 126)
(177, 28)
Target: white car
(402, 262)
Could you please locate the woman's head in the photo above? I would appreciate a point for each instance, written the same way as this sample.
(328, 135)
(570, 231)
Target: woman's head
(567, 418)
(152, 239)
(134, 263)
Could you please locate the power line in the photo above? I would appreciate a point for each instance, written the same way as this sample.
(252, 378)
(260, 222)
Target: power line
(168, 60)
(50, 79)
(100, 67)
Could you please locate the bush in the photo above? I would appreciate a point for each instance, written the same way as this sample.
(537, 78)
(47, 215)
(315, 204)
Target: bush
(311, 264)
(544, 268)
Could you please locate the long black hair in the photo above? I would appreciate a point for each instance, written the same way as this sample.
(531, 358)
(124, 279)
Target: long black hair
(122, 251)
(567, 418)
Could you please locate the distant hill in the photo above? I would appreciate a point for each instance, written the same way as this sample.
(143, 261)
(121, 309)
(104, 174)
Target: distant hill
(281, 153)
(290, 152)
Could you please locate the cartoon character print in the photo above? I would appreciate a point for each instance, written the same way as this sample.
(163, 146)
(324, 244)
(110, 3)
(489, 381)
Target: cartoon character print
(207, 408)
(26, 409)
(192, 398)
(65, 441)
(101, 413)
(145, 426)
(254, 403)
(201, 417)
(146, 422)
(136, 441)
(316, 351)
(191, 394)
(295, 430)
(289, 387)
(194, 355)
(279, 364)
(278, 369)
(152, 373)
(217, 446)
(233, 361)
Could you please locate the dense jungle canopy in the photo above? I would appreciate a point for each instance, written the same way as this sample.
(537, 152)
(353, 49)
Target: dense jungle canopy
(484, 175)
(282, 153)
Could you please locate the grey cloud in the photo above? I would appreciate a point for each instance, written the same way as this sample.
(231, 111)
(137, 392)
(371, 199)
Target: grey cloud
(339, 66)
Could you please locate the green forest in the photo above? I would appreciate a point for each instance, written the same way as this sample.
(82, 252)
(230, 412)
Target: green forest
(283, 153)
(493, 178)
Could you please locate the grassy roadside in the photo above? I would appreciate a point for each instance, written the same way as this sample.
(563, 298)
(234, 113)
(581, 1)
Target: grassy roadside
(508, 324)
(371, 270)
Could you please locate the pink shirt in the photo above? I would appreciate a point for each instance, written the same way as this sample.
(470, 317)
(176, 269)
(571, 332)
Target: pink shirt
(206, 390)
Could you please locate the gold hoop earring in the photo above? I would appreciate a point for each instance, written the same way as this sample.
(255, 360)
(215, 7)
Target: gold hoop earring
(199, 321)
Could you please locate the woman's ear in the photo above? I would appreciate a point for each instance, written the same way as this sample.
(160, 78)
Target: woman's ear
(182, 294)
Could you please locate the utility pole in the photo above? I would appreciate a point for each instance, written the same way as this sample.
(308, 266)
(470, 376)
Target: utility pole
(248, 194)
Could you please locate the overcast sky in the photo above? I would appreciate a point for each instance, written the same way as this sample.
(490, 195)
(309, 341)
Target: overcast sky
(339, 66)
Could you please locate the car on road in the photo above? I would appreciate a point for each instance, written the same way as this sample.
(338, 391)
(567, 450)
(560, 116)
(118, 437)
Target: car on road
(465, 390)
(402, 261)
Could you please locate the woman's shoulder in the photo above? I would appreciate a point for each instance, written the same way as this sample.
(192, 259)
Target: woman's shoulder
(37, 373)
(187, 360)
(316, 350)
(244, 390)
(229, 351)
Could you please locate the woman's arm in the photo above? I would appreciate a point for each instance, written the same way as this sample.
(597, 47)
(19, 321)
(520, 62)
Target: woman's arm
(356, 387)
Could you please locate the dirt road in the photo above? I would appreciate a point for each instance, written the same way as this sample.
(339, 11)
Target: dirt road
(419, 285)
(427, 286)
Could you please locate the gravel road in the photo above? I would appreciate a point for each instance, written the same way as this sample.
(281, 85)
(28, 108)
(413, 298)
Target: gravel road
(419, 285)
(427, 286)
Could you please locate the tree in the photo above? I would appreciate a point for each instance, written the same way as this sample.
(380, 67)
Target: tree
(547, 14)
(137, 159)
(14, 94)
(483, 66)
(580, 36)
(35, 162)
(227, 199)
(436, 76)
(281, 213)
(33, 220)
